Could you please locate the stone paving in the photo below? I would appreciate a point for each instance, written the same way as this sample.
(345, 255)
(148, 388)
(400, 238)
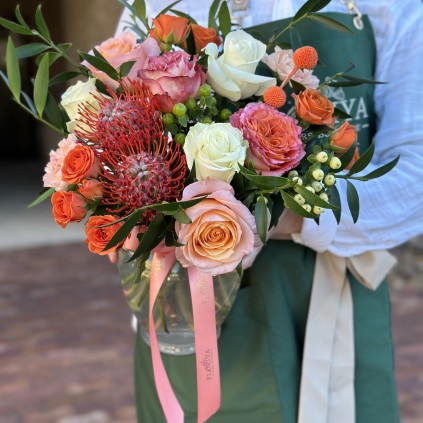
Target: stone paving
(66, 344)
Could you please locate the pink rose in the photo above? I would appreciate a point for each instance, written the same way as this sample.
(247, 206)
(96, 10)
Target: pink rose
(222, 231)
(121, 49)
(172, 78)
(274, 138)
(53, 171)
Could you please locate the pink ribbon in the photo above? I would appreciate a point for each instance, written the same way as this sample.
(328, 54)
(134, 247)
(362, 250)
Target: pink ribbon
(207, 359)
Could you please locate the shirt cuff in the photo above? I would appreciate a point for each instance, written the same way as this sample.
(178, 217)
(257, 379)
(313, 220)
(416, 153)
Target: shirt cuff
(318, 237)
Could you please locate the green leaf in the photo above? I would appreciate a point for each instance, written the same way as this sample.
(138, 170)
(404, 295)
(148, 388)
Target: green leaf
(54, 113)
(172, 207)
(190, 44)
(41, 24)
(42, 197)
(151, 237)
(330, 23)
(249, 199)
(294, 206)
(335, 199)
(224, 19)
(29, 102)
(380, 171)
(13, 72)
(184, 15)
(14, 27)
(181, 216)
(313, 199)
(64, 47)
(362, 80)
(343, 84)
(296, 86)
(29, 50)
(341, 114)
(166, 9)
(348, 155)
(277, 210)
(126, 67)
(265, 182)
(19, 17)
(310, 7)
(353, 201)
(213, 12)
(141, 11)
(260, 214)
(62, 77)
(363, 161)
(41, 85)
(125, 229)
(101, 65)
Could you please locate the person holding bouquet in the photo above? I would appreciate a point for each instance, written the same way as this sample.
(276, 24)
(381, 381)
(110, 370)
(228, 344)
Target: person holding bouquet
(267, 364)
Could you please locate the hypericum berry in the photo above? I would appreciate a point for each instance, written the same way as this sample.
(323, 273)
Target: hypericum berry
(329, 180)
(168, 118)
(307, 207)
(179, 109)
(335, 163)
(310, 188)
(305, 57)
(180, 138)
(292, 173)
(318, 210)
(205, 90)
(324, 197)
(318, 174)
(274, 97)
(225, 114)
(297, 180)
(317, 186)
(299, 199)
(322, 157)
(191, 103)
(207, 120)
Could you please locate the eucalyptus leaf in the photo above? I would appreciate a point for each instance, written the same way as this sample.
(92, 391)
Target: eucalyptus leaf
(335, 199)
(12, 68)
(29, 50)
(101, 65)
(309, 7)
(380, 171)
(14, 27)
(42, 197)
(41, 85)
(41, 24)
(353, 201)
(363, 161)
(330, 23)
(260, 215)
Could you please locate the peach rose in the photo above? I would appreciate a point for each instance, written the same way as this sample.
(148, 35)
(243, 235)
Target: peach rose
(98, 237)
(204, 36)
(79, 163)
(313, 107)
(121, 49)
(91, 189)
(344, 137)
(169, 30)
(222, 231)
(67, 207)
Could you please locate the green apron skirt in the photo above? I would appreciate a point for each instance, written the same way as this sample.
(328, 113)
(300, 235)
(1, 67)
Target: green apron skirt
(261, 343)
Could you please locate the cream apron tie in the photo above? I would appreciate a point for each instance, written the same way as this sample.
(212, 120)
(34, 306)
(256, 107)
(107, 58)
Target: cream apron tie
(327, 381)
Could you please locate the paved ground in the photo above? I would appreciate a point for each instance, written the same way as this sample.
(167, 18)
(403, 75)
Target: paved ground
(66, 344)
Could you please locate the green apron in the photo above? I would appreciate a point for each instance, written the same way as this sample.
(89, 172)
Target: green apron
(261, 343)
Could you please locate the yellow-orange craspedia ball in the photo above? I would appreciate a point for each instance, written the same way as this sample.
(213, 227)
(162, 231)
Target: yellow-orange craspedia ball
(305, 57)
(274, 97)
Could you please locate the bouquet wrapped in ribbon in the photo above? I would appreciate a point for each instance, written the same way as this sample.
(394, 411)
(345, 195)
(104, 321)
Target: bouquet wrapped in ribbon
(175, 140)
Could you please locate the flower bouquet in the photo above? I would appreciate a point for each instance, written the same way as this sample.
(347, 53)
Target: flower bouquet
(177, 147)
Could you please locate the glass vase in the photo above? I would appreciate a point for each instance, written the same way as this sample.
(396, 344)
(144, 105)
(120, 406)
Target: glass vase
(173, 309)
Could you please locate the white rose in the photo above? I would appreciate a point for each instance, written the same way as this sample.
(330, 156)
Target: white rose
(217, 150)
(74, 96)
(232, 75)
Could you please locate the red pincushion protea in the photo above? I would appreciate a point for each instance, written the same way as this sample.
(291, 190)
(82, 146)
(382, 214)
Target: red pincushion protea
(139, 166)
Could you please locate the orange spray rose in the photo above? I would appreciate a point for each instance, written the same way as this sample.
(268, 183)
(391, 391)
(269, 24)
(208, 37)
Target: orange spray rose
(344, 137)
(97, 237)
(67, 207)
(313, 107)
(91, 189)
(170, 29)
(204, 36)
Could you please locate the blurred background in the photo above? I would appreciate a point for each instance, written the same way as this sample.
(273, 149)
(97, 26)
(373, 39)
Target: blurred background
(65, 339)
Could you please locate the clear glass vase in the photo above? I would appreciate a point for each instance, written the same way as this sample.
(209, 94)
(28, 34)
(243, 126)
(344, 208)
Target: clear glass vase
(173, 310)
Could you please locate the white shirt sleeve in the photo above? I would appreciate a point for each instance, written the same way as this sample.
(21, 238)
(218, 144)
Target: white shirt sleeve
(391, 207)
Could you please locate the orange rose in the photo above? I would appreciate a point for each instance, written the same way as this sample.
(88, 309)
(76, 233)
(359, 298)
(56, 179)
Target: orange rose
(97, 237)
(313, 107)
(170, 30)
(79, 163)
(204, 36)
(91, 189)
(344, 137)
(67, 207)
